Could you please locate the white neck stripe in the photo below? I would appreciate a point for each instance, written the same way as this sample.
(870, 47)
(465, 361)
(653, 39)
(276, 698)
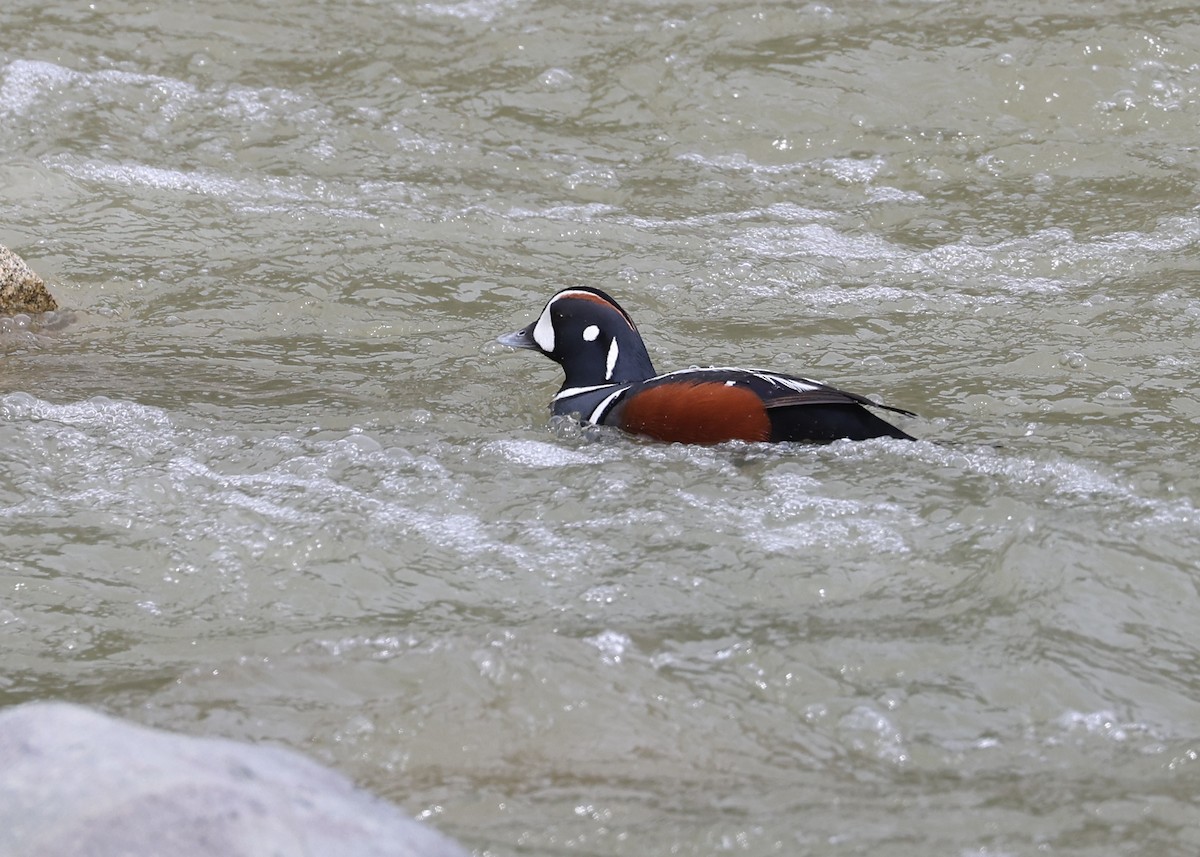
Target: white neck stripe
(611, 363)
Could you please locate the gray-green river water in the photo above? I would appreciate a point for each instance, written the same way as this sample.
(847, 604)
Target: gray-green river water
(267, 475)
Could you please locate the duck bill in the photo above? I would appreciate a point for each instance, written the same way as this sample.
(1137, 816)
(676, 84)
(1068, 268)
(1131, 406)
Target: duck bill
(522, 338)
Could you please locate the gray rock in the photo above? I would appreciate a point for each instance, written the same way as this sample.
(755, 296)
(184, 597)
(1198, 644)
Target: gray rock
(76, 783)
(21, 290)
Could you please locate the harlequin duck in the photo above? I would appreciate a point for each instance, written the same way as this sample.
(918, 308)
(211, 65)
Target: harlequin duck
(611, 381)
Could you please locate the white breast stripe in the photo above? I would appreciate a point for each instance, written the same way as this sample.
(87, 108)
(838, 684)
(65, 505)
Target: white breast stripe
(602, 408)
(577, 391)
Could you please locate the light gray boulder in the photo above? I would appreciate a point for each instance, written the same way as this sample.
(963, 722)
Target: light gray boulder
(76, 783)
(21, 290)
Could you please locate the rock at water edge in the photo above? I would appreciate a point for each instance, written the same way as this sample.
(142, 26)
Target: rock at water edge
(77, 782)
(21, 290)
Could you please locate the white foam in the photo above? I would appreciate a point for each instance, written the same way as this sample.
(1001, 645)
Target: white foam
(1055, 476)
(27, 86)
(1102, 723)
(1052, 259)
(122, 419)
(28, 82)
(799, 517)
(847, 170)
(740, 163)
(893, 194)
(262, 103)
(1044, 262)
(811, 239)
(586, 212)
(612, 645)
(485, 11)
(1049, 261)
(144, 175)
(853, 170)
(259, 194)
(867, 730)
(540, 454)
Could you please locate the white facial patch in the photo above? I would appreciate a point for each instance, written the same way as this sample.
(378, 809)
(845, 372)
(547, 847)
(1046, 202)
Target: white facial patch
(611, 363)
(590, 333)
(543, 331)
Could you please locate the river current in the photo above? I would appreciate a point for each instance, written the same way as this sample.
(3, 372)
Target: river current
(267, 475)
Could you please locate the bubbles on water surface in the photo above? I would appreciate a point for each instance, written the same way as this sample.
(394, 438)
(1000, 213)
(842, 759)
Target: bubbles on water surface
(556, 78)
(1101, 723)
(612, 645)
(869, 731)
(1117, 393)
(484, 11)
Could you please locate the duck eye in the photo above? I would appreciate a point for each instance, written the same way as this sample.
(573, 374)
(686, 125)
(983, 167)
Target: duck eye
(590, 333)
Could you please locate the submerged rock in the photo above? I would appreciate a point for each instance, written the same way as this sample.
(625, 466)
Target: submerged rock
(21, 290)
(73, 782)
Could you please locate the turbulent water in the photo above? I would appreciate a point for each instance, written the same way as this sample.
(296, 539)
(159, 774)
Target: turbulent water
(267, 475)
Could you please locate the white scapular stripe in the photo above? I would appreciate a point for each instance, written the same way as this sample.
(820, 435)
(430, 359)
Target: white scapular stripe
(800, 385)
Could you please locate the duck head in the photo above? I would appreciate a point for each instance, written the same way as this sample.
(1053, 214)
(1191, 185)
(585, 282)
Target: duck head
(587, 333)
